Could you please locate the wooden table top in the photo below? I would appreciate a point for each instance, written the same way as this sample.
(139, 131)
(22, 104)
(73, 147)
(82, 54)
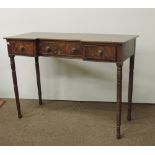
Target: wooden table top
(85, 37)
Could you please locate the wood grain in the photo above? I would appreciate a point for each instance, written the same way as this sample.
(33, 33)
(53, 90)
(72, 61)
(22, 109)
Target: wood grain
(20, 47)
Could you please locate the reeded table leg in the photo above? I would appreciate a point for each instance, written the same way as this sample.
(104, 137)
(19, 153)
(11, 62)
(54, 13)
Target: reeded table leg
(130, 87)
(119, 98)
(13, 67)
(38, 79)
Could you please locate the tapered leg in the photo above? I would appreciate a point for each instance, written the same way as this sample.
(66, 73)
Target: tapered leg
(130, 87)
(13, 67)
(38, 79)
(119, 98)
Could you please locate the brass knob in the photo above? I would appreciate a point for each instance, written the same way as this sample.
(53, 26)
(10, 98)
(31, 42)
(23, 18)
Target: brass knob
(56, 52)
(47, 49)
(73, 50)
(21, 48)
(60, 52)
(100, 52)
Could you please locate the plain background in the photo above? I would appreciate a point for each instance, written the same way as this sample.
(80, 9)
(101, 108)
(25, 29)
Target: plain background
(76, 79)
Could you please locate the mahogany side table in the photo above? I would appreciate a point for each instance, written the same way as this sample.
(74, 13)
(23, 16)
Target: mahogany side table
(90, 47)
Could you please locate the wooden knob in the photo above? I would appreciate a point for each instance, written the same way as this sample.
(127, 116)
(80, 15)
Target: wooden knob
(73, 50)
(21, 48)
(47, 49)
(100, 52)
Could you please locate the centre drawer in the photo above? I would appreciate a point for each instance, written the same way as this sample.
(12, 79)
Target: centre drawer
(60, 48)
(100, 52)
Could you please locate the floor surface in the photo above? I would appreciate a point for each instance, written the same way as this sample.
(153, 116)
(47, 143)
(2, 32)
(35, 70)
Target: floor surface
(74, 123)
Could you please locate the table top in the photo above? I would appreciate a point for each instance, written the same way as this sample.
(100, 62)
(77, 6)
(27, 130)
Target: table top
(85, 37)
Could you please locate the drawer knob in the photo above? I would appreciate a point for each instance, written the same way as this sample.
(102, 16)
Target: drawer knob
(56, 52)
(100, 52)
(21, 48)
(47, 49)
(74, 50)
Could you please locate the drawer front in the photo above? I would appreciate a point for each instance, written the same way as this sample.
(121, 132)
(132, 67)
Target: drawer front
(60, 48)
(26, 48)
(75, 49)
(97, 52)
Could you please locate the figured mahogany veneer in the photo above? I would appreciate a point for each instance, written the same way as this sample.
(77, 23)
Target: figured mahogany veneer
(100, 52)
(26, 48)
(92, 47)
(60, 48)
(71, 49)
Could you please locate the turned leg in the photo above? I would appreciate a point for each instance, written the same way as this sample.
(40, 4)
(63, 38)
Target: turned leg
(130, 87)
(13, 67)
(38, 79)
(119, 98)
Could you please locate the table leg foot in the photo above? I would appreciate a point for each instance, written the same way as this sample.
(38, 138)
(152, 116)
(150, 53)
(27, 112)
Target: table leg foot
(118, 135)
(40, 102)
(20, 116)
(129, 117)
